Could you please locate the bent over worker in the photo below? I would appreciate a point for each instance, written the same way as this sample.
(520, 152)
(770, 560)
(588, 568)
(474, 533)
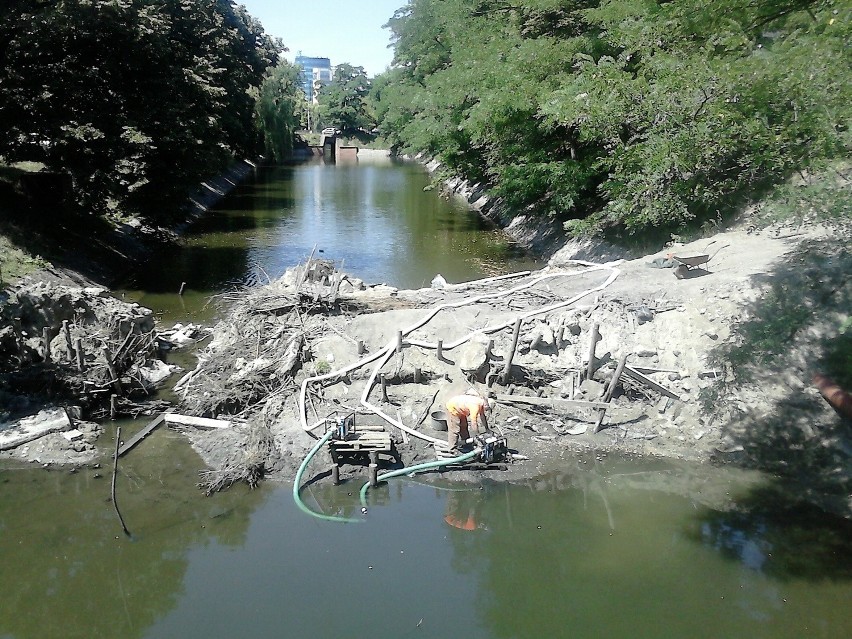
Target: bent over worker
(465, 413)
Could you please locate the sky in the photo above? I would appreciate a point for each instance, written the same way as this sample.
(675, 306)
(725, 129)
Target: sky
(341, 30)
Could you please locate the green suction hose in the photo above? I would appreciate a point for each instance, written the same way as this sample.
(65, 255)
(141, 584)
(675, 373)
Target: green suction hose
(410, 470)
(296, 482)
(416, 469)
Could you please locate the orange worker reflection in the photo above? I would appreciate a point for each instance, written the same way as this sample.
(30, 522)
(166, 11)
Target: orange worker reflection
(461, 511)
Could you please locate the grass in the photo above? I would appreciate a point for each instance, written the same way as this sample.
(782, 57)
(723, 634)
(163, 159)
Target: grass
(817, 196)
(15, 263)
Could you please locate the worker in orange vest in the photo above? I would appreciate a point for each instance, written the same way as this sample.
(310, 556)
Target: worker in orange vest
(466, 413)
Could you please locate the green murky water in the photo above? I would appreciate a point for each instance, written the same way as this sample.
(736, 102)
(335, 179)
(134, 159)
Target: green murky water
(374, 219)
(603, 548)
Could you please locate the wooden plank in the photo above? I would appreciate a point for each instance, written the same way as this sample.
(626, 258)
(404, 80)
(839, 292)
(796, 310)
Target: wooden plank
(198, 422)
(142, 434)
(650, 383)
(650, 369)
(545, 401)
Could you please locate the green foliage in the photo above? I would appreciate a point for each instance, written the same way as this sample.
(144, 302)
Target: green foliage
(823, 194)
(343, 102)
(279, 105)
(621, 114)
(137, 99)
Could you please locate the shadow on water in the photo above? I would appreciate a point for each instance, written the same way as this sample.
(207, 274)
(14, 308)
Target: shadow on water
(67, 568)
(769, 533)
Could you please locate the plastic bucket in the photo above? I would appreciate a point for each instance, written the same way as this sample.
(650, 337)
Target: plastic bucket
(439, 420)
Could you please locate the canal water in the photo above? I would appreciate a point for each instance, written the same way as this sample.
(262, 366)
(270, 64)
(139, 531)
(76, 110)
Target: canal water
(378, 220)
(606, 547)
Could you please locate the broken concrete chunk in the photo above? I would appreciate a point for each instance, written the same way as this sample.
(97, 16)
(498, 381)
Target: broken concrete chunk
(473, 358)
(28, 429)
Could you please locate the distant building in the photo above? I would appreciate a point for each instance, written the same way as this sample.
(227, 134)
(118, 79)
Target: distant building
(316, 72)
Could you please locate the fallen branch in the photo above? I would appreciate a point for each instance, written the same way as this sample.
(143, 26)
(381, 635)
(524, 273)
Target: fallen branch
(114, 473)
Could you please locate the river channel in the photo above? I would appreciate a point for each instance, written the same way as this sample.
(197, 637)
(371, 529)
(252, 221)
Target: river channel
(606, 547)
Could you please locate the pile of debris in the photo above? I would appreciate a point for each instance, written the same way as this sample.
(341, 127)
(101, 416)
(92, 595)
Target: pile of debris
(77, 346)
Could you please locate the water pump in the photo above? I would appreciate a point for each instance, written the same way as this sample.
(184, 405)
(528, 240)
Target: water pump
(494, 448)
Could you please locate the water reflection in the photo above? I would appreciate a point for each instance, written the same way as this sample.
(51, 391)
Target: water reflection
(67, 569)
(603, 548)
(786, 539)
(375, 219)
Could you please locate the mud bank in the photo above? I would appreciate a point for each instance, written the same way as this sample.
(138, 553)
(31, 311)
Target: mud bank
(70, 356)
(302, 354)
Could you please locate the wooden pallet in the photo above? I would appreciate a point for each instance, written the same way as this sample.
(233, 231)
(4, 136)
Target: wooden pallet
(365, 439)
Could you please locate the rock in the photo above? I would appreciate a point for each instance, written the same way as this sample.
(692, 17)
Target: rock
(542, 338)
(438, 282)
(473, 358)
(154, 372)
(28, 429)
(645, 352)
(673, 377)
(644, 314)
(591, 388)
(72, 435)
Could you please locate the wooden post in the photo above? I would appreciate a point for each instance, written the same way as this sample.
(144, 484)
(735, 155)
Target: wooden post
(440, 350)
(113, 407)
(559, 335)
(595, 338)
(399, 342)
(45, 335)
(68, 344)
(374, 468)
(361, 348)
(508, 366)
(335, 474)
(384, 388)
(81, 365)
(490, 351)
(115, 381)
(417, 375)
(182, 288)
(610, 389)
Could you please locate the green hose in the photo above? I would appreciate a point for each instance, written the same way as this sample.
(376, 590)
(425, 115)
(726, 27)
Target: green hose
(415, 469)
(297, 498)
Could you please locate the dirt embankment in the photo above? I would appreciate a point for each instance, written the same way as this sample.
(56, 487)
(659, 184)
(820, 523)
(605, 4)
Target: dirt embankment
(294, 354)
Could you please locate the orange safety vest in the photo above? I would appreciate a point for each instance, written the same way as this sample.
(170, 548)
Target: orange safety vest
(467, 406)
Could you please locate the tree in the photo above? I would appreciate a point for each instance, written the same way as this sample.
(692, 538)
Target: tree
(137, 99)
(279, 106)
(620, 114)
(343, 101)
